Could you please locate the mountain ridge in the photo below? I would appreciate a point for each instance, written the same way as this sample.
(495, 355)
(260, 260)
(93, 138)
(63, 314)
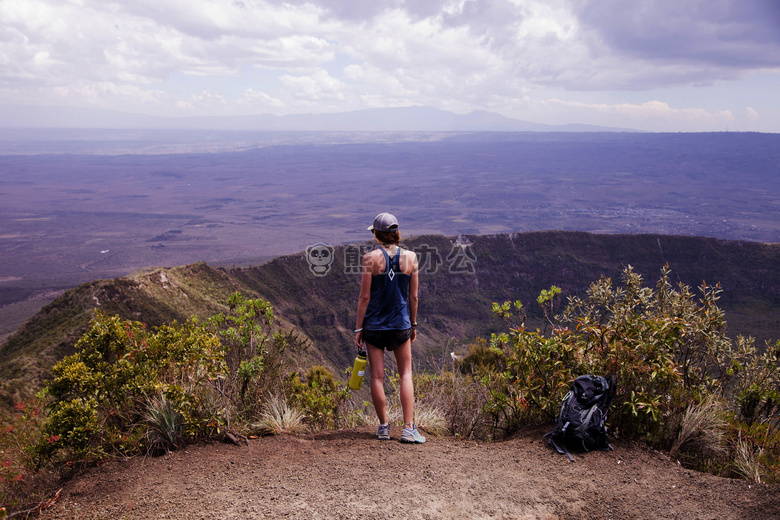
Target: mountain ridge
(411, 118)
(455, 299)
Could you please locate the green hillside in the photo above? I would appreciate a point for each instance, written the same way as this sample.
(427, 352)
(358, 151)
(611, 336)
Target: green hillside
(458, 284)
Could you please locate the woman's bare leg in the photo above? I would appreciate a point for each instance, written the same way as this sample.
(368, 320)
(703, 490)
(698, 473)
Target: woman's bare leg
(403, 357)
(376, 361)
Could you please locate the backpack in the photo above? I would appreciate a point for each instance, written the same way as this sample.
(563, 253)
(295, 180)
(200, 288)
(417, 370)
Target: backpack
(582, 420)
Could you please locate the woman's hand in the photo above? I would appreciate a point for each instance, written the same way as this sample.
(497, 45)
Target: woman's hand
(359, 340)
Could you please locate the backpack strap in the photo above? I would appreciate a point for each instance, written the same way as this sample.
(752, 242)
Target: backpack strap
(554, 444)
(584, 426)
(561, 451)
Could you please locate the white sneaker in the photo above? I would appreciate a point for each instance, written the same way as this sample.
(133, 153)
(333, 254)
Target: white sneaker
(412, 436)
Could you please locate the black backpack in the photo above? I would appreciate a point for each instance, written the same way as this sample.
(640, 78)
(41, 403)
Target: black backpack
(582, 421)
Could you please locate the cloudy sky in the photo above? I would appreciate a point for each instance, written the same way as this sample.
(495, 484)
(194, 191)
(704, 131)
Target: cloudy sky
(660, 65)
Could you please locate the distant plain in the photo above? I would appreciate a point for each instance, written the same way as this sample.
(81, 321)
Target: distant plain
(80, 205)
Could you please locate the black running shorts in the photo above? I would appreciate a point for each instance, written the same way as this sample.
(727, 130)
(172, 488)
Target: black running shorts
(387, 339)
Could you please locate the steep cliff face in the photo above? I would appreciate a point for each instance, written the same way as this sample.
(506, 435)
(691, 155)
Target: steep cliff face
(460, 278)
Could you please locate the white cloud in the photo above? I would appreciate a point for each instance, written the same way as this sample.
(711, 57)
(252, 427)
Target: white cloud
(206, 100)
(430, 65)
(653, 115)
(169, 56)
(112, 95)
(260, 101)
(315, 87)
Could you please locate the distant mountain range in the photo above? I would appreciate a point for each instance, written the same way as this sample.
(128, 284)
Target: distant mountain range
(403, 119)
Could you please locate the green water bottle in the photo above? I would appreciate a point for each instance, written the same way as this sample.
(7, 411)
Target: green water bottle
(358, 371)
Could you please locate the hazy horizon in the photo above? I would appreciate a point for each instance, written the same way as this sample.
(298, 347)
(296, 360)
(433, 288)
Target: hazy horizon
(398, 119)
(105, 207)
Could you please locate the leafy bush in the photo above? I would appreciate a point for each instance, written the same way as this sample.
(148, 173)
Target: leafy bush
(96, 391)
(253, 351)
(320, 397)
(666, 350)
(21, 485)
(481, 358)
(127, 388)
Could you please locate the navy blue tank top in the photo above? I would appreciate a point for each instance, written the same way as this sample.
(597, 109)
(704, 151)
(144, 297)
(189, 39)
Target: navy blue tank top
(388, 308)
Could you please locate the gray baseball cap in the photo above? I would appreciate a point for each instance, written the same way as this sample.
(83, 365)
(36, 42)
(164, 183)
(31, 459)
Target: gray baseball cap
(384, 222)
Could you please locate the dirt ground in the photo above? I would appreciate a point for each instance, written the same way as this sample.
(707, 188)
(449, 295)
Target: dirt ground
(350, 474)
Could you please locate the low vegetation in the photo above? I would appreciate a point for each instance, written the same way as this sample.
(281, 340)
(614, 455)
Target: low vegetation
(682, 384)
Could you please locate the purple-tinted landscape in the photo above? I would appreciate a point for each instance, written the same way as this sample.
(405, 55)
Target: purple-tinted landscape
(78, 206)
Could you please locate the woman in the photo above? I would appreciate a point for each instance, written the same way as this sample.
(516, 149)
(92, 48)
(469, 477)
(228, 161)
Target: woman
(387, 320)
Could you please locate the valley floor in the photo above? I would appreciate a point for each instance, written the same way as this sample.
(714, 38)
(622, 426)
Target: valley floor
(349, 474)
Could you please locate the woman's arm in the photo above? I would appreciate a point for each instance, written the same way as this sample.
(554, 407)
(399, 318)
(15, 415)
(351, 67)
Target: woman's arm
(413, 285)
(363, 299)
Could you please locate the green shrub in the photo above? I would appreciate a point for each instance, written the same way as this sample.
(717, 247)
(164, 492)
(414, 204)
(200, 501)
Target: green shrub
(320, 397)
(254, 354)
(95, 391)
(21, 484)
(664, 348)
(76, 426)
(757, 385)
(481, 359)
(682, 384)
(127, 388)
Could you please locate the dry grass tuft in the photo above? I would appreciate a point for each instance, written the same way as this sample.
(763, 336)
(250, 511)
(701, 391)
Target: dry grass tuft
(426, 416)
(165, 425)
(746, 462)
(278, 417)
(431, 419)
(355, 418)
(702, 430)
